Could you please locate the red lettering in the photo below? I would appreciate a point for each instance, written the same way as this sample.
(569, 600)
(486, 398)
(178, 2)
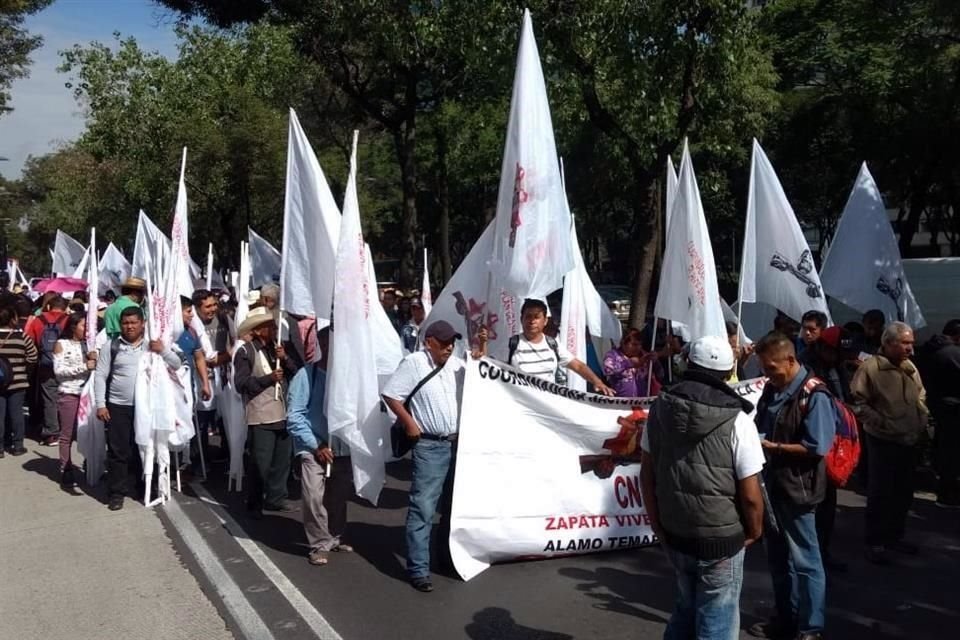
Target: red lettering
(619, 483)
(551, 524)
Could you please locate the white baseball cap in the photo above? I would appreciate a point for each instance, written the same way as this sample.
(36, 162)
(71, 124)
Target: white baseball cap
(711, 352)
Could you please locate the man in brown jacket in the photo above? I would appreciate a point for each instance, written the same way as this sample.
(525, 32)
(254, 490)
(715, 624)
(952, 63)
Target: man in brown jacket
(890, 401)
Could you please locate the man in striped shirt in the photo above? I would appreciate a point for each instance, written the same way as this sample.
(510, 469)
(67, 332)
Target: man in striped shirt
(539, 355)
(17, 351)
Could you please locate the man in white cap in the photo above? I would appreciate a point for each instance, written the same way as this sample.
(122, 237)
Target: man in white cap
(701, 459)
(425, 393)
(262, 373)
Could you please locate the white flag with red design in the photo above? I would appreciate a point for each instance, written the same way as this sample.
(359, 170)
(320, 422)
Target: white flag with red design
(531, 243)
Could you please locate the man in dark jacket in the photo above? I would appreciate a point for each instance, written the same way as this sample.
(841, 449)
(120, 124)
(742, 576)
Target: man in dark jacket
(797, 430)
(940, 368)
(701, 460)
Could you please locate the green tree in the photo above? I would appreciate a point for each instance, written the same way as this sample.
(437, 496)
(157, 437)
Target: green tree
(16, 43)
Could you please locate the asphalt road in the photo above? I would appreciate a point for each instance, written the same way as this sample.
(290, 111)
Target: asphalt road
(609, 595)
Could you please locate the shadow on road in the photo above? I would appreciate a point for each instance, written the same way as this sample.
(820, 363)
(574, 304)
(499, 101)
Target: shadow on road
(49, 467)
(494, 623)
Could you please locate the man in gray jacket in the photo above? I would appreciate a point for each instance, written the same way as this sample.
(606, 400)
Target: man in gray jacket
(701, 457)
(114, 385)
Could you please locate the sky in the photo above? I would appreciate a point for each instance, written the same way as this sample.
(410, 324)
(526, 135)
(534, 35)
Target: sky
(45, 112)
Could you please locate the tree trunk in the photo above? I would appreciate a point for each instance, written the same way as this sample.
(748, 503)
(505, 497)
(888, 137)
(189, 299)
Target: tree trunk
(647, 239)
(443, 193)
(405, 142)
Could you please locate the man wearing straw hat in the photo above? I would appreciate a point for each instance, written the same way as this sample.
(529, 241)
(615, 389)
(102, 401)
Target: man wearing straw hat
(262, 372)
(132, 293)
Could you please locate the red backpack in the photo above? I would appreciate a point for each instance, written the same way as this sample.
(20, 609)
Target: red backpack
(844, 455)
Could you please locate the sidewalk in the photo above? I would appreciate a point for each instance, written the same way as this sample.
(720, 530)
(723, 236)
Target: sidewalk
(71, 569)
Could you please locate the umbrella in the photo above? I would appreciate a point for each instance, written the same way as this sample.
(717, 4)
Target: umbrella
(63, 284)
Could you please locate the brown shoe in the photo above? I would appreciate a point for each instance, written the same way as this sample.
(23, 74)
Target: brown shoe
(318, 558)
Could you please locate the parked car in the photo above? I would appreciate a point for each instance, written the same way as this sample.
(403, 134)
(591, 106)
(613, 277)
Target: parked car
(618, 298)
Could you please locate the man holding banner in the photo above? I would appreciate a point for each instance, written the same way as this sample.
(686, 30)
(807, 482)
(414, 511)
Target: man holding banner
(425, 394)
(700, 464)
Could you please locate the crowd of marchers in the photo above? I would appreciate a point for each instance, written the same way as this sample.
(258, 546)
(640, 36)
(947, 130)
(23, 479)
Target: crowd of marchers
(718, 474)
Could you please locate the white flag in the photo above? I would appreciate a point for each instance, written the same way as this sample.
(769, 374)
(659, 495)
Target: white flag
(531, 245)
(149, 247)
(178, 281)
(863, 268)
(311, 226)
(265, 260)
(688, 277)
(777, 265)
(68, 254)
(426, 298)
(114, 269)
(353, 399)
(672, 186)
(387, 346)
(463, 301)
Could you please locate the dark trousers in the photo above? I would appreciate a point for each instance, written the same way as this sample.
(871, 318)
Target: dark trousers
(947, 446)
(826, 517)
(271, 450)
(122, 453)
(49, 396)
(11, 417)
(889, 490)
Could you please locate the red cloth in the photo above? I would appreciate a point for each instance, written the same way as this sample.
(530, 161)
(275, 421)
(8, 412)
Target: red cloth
(34, 326)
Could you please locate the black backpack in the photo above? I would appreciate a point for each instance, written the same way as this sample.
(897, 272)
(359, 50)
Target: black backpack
(48, 340)
(6, 369)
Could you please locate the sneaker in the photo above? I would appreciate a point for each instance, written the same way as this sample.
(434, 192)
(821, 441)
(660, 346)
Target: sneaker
(318, 558)
(51, 441)
(772, 629)
(422, 584)
(877, 554)
(905, 548)
(116, 503)
(67, 480)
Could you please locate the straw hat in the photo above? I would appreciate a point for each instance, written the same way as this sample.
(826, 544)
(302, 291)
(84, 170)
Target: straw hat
(256, 318)
(135, 283)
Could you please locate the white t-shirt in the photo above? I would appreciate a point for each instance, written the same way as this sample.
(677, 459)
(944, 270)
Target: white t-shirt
(748, 458)
(538, 358)
(436, 407)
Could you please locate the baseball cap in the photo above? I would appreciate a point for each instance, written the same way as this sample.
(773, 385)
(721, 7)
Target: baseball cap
(442, 331)
(711, 352)
(831, 336)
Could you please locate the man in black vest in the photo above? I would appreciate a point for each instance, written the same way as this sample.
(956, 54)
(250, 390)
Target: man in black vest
(797, 430)
(700, 464)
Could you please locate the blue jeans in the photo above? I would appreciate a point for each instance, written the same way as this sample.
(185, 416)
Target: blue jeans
(11, 417)
(793, 555)
(708, 597)
(432, 478)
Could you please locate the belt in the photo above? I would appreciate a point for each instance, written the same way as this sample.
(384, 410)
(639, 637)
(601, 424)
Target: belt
(451, 437)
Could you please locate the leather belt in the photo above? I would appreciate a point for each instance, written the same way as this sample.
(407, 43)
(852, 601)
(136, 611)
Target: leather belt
(451, 437)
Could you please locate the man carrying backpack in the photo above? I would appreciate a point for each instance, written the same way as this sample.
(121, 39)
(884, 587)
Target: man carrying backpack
(45, 330)
(539, 355)
(795, 439)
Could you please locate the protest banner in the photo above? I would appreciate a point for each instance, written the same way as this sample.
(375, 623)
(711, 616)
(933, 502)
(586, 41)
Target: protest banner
(545, 471)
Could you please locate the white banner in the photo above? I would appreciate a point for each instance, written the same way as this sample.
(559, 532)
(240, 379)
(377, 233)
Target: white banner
(545, 471)
(264, 261)
(67, 255)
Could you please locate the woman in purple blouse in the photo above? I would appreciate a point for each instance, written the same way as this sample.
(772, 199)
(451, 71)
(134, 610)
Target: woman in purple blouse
(626, 367)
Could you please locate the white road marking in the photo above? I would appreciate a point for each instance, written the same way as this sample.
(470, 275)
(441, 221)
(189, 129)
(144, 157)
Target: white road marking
(317, 623)
(250, 623)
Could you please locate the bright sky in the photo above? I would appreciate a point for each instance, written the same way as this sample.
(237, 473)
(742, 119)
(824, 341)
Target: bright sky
(45, 112)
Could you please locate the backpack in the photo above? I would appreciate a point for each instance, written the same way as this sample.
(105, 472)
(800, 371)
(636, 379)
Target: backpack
(844, 454)
(559, 376)
(6, 373)
(48, 340)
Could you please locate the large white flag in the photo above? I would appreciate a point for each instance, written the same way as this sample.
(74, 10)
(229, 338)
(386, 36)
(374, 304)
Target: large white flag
(178, 281)
(311, 227)
(387, 346)
(426, 298)
(152, 246)
(114, 269)
(353, 397)
(68, 254)
(265, 260)
(688, 277)
(531, 244)
(777, 265)
(863, 269)
(91, 438)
